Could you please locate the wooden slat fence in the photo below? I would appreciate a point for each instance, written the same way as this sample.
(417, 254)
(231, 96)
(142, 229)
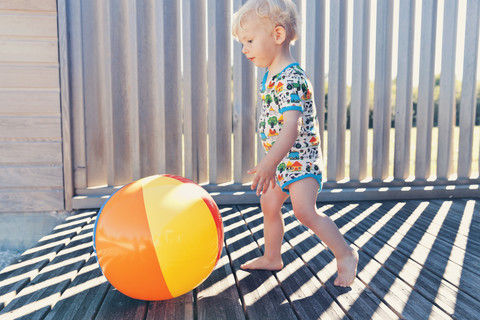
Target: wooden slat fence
(160, 86)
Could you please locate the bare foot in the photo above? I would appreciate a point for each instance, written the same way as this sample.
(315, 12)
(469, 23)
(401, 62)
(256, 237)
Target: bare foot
(347, 269)
(263, 263)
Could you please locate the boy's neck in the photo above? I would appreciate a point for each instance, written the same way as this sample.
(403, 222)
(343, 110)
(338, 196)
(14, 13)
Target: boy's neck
(283, 59)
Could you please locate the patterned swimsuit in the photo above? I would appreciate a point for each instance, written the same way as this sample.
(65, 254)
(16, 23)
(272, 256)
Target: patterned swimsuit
(289, 90)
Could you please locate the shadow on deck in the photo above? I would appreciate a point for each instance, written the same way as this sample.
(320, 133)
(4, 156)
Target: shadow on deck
(418, 260)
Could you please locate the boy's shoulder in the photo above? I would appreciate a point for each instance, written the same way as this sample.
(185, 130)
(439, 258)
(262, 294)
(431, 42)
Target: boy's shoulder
(293, 73)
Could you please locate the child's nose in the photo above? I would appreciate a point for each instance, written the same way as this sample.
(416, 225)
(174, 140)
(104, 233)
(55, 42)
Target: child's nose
(244, 50)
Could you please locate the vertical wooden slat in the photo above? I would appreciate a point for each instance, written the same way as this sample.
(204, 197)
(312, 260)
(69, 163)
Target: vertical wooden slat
(132, 90)
(151, 103)
(447, 105)
(337, 90)
(160, 80)
(296, 49)
(65, 105)
(219, 91)
(239, 99)
(212, 103)
(469, 84)
(106, 94)
(260, 150)
(195, 90)
(76, 92)
(124, 92)
(425, 90)
(187, 34)
(97, 88)
(172, 94)
(404, 98)
(315, 56)
(243, 111)
(360, 90)
(199, 90)
(383, 84)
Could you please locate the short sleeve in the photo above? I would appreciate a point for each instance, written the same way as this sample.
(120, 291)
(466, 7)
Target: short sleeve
(289, 93)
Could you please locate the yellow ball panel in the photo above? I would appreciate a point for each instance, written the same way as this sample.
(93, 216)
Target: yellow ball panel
(183, 231)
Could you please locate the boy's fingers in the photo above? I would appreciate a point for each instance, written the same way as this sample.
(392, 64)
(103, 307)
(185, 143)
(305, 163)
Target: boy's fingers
(265, 187)
(261, 186)
(254, 183)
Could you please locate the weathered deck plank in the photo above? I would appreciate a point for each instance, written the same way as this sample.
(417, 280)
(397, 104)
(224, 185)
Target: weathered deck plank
(418, 259)
(358, 301)
(302, 289)
(42, 292)
(386, 285)
(14, 278)
(418, 274)
(263, 297)
(118, 306)
(418, 244)
(176, 309)
(84, 296)
(217, 297)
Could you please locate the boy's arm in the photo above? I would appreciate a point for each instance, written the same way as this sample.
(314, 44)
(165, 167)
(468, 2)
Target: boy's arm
(265, 170)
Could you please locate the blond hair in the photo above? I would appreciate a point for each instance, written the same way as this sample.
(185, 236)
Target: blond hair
(278, 12)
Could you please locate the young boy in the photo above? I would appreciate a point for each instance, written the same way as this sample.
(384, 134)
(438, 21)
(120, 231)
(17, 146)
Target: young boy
(289, 131)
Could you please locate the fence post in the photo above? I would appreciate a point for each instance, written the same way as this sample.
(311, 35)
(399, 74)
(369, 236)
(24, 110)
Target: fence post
(172, 94)
(125, 126)
(425, 90)
(469, 88)
(195, 90)
(151, 86)
(337, 91)
(76, 92)
(360, 90)
(219, 91)
(97, 93)
(383, 89)
(244, 115)
(65, 105)
(315, 56)
(404, 98)
(447, 105)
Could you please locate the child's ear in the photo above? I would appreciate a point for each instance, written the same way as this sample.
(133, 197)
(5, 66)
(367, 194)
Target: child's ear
(280, 34)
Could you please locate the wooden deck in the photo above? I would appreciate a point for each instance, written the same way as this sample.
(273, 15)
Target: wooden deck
(418, 260)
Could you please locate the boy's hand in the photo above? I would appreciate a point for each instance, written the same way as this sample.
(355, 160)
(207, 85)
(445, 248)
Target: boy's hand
(264, 176)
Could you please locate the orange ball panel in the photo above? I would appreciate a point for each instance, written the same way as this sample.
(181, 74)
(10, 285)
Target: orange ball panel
(123, 241)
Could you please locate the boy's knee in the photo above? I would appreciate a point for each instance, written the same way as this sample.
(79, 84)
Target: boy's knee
(305, 216)
(267, 206)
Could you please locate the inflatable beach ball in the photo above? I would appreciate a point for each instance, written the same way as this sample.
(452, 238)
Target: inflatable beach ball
(158, 238)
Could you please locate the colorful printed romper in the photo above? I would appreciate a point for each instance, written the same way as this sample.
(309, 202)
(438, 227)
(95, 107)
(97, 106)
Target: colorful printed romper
(289, 90)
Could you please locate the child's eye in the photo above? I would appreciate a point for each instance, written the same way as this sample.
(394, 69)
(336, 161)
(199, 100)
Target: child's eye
(250, 41)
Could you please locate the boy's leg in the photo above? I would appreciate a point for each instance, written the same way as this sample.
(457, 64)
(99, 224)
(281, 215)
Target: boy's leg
(304, 194)
(273, 229)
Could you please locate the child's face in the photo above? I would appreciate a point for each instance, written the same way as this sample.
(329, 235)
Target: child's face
(258, 42)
